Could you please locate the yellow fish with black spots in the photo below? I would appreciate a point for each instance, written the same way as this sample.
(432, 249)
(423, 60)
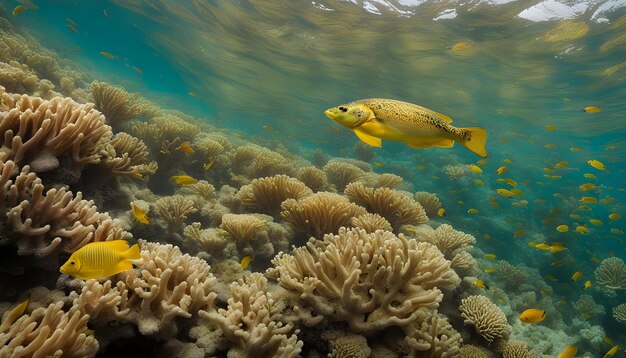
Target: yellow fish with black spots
(101, 259)
(373, 120)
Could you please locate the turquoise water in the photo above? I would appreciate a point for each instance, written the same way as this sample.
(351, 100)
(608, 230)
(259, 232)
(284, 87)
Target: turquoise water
(268, 69)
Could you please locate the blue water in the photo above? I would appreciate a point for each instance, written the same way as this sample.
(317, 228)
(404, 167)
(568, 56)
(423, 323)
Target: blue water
(252, 64)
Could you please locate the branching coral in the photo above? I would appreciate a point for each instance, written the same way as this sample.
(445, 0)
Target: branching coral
(250, 234)
(341, 173)
(488, 319)
(165, 132)
(202, 189)
(611, 274)
(168, 286)
(313, 178)
(370, 222)
(254, 161)
(54, 221)
(320, 213)
(397, 208)
(253, 321)
(619, 313)
(371, 281)
(117, 105)
(174, 210)
(48, 332)
(209, 240)
(266, 194)
(429, 201)
(129, 157)
(37, 132)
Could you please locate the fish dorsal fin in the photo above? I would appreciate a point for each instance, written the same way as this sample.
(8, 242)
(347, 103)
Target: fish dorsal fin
(118, 246)
(444, 117)
(368, 139)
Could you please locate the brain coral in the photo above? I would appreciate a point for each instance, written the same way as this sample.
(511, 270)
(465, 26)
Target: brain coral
(371, 281)
(488, 319)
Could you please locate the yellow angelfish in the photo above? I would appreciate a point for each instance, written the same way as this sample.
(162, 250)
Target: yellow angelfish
(577, 275)
(505, 192)
(475, 169)
(375, 119)
(532, 315)
(611, 351)
(184, 179)
(245, 262)
(597, 164)
(185, 147)
(502, 170)
(101, 259)
(568, 352)
(480, 284)
(591, 109)
(140, 215)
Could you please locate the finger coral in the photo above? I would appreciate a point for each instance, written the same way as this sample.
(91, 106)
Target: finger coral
(266, 194)
(253, 321)
(250, 234)
(174, 210)
(320, 213)
(397, 208)
(37, 132)
(611, 274)
(48, 332)
(168, 287)
(488, 319)
(371, 281)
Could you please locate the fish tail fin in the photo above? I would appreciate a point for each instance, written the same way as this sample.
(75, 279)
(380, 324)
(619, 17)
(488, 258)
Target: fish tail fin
(474, 139)
(133, 253)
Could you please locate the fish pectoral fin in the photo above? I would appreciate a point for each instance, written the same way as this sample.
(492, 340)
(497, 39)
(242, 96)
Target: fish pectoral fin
(443, 143)
(448, 143)
(368, 139)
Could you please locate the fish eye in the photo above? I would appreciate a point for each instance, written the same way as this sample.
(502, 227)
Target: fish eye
(343, 109)
(71, 262)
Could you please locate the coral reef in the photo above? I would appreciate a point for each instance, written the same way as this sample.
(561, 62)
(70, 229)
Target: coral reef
(371, 222)
(487, 318)
(341, 173)
(611, 274)
(250, 233)
(265, 195)
(619, 313)
(174, 210)
(429, 201)
(117, 105)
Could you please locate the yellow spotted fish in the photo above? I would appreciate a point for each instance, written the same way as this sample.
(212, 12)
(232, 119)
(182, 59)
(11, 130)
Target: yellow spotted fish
(101, 259)
(373, 120)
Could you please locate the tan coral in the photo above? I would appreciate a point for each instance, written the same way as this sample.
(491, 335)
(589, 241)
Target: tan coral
(371, 222)
(265, 195)
(209, 240)
(349, 346)
(174, 210)
(388, 180)
(517, 349)
(38, 132)
(434, 337)
(117, 105)
(168, 287)
(471, 351)
(429, 201)
(253, 161)
(130, 157)
(320, 213)
(363, 152)
(619, 313)
(488, 319)
(340, 173)
(165, 133)
(253, 321)
(314, 178)
(449, 241)
(611, 274)
(397, 208)
(48, 332)
(202, 188)
(250, 233)
(371, 281)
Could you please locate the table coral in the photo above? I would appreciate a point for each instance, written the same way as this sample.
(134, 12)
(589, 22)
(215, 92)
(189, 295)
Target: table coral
(253, 322)
(371, 281)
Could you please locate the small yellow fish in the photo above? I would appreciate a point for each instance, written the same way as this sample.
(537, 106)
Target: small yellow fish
(562, 228)
(532, 244)
(185, 147)
(268, 128)
(490, 256)
(517, 192)
(479, 182)
(208, 166)
(568, 352)
(101, 259)
(501, 170)
(550, 127)
(482, 163)
(597, 164)
(472, 211)
(192, 94)
(617, 231)
(596, 222)
(505, 192)
(587, 186)
(608, 340)
(548, 170)
(589, 176)
(575, 216)
(71, 21)
(611, 351)
(441, 212)
(184, 179)
(587, 284)
(19, 9)
(137, 69)
(582, 229)
(591, 109)
(489, 270)
(543, 246)
(557, 248)
(553, 176)
(595, 260)
(615, 216)
(107, 55)
(532, 315)
(377, 119)
(561, 164)
(550, 146)
(575, 149)
(552, 278)
(475, 169)
(480, 284)
(73, 29)
(140, 215)
(562, 301)
(519, 233)
(378, 164)
(245, 262)
(611, 147)
(507, 161)
(577, 275)
(588, 200)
